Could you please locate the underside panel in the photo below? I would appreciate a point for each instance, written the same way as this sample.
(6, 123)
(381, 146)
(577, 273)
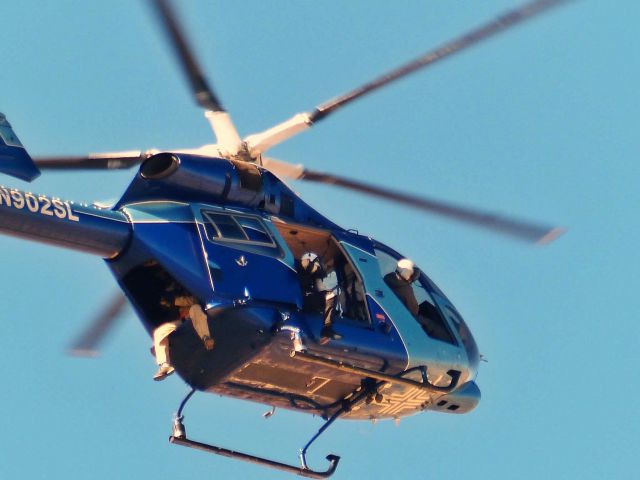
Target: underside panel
(252, 360)
(274, 378)
(240, 334)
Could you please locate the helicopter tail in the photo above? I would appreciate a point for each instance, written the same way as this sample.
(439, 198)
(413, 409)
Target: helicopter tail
(14, 159)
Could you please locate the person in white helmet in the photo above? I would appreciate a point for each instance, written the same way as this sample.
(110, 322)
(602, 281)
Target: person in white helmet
(317, 296)
(400, 282)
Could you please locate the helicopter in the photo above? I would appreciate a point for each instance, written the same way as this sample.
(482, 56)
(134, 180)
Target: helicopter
(220, 222)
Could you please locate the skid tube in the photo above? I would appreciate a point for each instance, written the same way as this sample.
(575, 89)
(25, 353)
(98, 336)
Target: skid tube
(179, 437)
(309, 357)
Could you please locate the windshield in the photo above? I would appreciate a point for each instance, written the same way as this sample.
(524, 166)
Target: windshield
(458, 323)
(417, 297)
(431, 307)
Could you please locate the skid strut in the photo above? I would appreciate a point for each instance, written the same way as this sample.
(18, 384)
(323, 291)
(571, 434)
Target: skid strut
(179, 437)
(303, 452)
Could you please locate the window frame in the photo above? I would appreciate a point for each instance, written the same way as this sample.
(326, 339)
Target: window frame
(367, 322)
(207, 220)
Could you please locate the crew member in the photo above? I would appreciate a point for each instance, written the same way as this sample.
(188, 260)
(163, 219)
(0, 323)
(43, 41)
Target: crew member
(400, 282)
(317, 297)
(188, 308)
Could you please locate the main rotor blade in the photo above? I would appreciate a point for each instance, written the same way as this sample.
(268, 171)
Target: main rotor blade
(94, 161)
(203, 92)
(499, 24)
(219, 119)
(86, 344)
(520, 229)
(261, 142)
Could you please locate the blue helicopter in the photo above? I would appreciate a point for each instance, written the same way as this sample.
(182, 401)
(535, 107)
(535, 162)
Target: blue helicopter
(219, 225)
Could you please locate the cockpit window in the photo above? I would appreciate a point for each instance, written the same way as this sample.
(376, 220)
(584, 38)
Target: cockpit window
(417, 297)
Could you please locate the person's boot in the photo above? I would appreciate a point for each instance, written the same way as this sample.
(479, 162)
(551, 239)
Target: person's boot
(328, 333)
(208, 342)
(163, 372)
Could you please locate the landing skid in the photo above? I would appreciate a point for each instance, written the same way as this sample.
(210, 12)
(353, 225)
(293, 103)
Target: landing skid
(179, 437)
(302, 471)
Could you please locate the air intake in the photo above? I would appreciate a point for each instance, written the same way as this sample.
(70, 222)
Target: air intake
(159, 166)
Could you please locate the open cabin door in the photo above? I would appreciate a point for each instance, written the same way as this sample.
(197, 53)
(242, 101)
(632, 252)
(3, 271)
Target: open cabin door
(246, 257)
(341, 276)
(371, 342)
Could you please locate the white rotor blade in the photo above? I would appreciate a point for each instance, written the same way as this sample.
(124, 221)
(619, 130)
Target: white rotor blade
(261, 142)
(227, 136)
(283, 169)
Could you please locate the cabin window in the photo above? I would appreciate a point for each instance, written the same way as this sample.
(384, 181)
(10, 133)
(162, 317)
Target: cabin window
(236, 228)
(427, 313)
(254, 229)
(225, 226)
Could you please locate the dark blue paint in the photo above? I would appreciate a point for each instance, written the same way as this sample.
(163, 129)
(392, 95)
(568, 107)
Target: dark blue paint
(238, 272)
(81, 227)
(218, 181)
(177, 247)
(14, 159)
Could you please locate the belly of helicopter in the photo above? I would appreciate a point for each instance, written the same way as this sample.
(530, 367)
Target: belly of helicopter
(252, 360)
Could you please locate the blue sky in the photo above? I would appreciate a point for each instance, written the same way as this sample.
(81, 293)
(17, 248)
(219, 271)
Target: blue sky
(540, 122)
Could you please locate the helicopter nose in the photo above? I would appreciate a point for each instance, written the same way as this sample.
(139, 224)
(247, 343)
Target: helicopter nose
(462, 400)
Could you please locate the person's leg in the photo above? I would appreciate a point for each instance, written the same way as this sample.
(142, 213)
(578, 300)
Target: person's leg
(200, 323)
(161, 348)
(328, 333)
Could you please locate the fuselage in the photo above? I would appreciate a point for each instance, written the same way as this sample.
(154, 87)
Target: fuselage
(229, 234)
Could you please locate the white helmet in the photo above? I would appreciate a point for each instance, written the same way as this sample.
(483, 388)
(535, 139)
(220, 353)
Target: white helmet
(407, 270)
(310, 262)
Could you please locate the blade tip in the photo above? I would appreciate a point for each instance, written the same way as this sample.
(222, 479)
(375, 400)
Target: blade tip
(83, 352)
(551, 236)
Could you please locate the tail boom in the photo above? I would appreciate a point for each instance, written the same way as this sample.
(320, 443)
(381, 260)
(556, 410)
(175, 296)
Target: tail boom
(63, 223)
